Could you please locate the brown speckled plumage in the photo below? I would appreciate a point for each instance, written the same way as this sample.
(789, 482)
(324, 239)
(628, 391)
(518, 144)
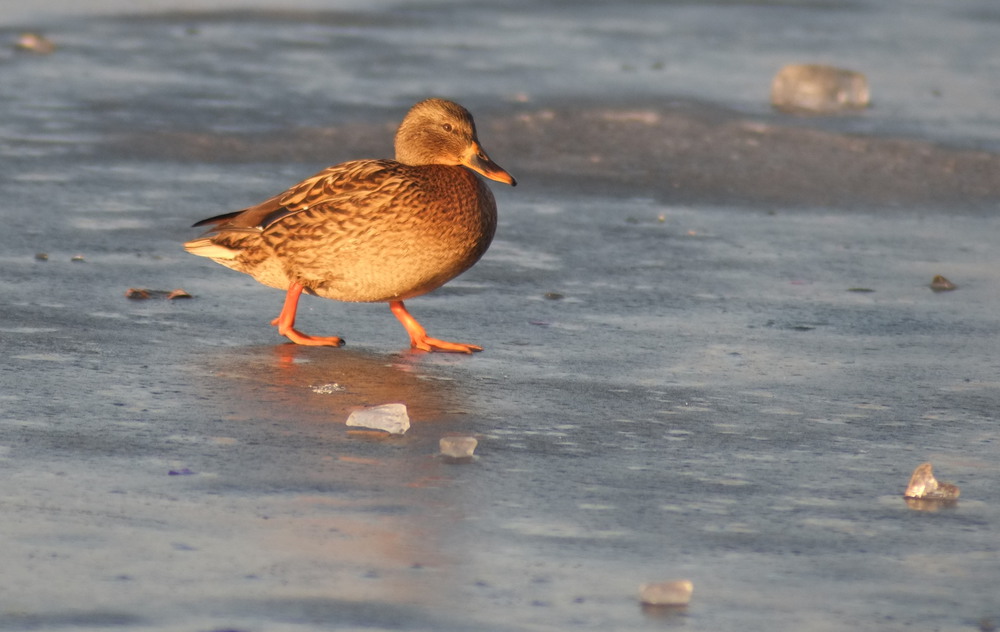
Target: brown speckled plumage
(372, 230)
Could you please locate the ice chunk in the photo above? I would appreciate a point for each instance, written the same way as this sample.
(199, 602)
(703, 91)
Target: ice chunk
(389, 417)
(941, 284)
(670, 593)
(327, 389)
(144, 293)
(458, 447)
(923, 485)
(819, 88)
(35, 43)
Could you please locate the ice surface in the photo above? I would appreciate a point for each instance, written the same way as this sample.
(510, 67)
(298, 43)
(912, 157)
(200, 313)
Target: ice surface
(708, 393)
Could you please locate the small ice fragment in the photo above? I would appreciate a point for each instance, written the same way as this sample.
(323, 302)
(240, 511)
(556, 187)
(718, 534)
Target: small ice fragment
(923, 485)
(35, 43)
(389, 417)
(671, 593)
(819, 89)
(941, 284)
(458, 447)
(143, 293)
(327, 389)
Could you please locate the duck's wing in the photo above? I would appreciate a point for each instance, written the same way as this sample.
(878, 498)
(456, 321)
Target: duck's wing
(359, 188)
(351, 186)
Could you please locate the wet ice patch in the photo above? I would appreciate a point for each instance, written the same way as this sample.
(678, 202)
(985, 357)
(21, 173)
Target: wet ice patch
(646, 117)
(29, 330)
(560, 530)
(106, 223)
(201, 440)
(45, 357)
(506, 252)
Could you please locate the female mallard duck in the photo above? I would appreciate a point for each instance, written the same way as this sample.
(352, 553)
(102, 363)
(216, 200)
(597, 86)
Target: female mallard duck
(372, 230)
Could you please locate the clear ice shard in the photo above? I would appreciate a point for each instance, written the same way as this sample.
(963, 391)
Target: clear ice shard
(391, 418)
(458, 447)
(671, 593)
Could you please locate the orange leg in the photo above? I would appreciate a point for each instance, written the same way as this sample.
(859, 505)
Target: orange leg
(418, 335)
(285, 322)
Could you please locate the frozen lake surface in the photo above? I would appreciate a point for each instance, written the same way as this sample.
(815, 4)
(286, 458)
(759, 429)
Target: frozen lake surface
(712, 352)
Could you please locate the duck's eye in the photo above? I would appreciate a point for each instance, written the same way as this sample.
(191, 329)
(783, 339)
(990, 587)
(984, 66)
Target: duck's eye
(447, 127)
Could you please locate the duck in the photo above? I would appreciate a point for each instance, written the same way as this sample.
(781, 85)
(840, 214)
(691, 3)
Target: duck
(373, 230)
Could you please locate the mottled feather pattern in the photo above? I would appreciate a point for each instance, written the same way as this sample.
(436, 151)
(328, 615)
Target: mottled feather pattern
(341, 182)
(367, 230)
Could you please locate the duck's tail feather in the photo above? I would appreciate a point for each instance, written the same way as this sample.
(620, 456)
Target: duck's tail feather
(205, 247)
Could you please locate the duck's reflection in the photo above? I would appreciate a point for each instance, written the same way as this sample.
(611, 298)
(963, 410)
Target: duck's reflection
(324, 385)
(340, 514)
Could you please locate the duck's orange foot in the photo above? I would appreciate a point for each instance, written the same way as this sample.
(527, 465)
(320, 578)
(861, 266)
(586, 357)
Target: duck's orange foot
(300, 338)
(418, 335)
(285, 322)
(433, 344)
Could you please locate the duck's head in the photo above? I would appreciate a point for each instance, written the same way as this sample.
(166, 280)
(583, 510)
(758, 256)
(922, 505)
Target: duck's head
(440, 132)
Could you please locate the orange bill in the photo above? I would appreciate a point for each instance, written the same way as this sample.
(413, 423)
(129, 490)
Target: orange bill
(478, 161)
